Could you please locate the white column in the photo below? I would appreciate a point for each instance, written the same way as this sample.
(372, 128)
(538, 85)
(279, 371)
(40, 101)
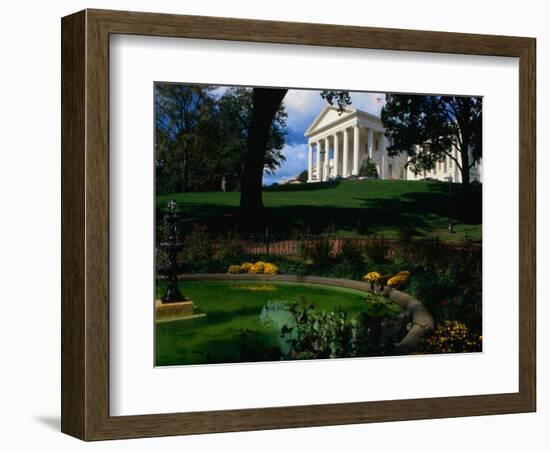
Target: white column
(345, 156)
(355, 170)
(336, 155)
(384, 159)
(319, 162)
(310, 161)
(326, 168)
(370, 142)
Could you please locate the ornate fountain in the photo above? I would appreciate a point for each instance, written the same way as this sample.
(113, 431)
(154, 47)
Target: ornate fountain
(172, 246)
(173, 305)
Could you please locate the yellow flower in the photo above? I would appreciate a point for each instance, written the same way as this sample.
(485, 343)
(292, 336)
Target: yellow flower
(399, 279)
(371, 277)
(254, 268)
(270, 269)
(452, 336)
(234, 269)
(257, 267)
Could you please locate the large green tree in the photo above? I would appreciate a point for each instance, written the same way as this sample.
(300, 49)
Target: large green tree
(430, 127)
(183, 113)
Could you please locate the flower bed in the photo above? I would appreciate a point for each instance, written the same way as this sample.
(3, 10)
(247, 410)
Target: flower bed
(259, 267)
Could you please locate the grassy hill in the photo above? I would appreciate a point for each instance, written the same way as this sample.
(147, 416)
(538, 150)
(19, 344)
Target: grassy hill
(350, 207)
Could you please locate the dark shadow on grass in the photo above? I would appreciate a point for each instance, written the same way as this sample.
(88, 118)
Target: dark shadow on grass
(416, 213)
(411, 209)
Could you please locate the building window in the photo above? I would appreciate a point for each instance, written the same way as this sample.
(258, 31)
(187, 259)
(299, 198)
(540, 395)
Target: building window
(390, 169)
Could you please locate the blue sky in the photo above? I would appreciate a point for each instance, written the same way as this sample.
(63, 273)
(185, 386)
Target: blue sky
(302, 107)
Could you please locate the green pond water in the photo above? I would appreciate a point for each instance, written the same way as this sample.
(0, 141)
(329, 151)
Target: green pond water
(231, 307)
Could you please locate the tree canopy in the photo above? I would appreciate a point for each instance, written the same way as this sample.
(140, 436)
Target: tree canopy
(201, 137)
(430, 127)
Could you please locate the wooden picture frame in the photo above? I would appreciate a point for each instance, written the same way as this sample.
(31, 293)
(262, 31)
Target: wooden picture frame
(85, 224)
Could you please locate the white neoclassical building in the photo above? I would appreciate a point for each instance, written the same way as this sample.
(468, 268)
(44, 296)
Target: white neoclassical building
(339, 143)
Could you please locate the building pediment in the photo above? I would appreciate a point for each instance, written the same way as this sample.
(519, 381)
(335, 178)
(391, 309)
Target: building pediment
(328, 116)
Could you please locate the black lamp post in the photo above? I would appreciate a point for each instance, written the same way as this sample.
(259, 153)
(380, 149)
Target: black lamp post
(172, 246)
(450, 227)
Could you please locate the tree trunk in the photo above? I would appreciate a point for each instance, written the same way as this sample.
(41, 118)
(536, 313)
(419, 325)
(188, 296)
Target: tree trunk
(265, 103)
(465, 170)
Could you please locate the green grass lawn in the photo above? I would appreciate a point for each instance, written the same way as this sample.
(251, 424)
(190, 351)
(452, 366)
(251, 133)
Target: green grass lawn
(233, 306)
(350, 207)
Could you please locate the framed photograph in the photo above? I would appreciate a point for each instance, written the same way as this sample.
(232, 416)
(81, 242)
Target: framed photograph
(273, 225)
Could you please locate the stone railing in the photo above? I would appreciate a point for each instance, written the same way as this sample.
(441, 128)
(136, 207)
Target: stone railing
(421, 320)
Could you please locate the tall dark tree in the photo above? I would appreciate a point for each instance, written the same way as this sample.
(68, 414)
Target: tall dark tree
(429, 127)
(265, 103)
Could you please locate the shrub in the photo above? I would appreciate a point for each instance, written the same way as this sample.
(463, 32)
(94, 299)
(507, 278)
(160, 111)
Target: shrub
(302, 178)
(292, 266)
(317, 250)
(375, 251)
(452, 336)
(198, 246)
(368, 169)
(339, 269)
(229, 248)
(351, 252)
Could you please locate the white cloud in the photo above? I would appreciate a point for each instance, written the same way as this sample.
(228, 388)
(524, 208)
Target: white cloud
(296, 162)
(302, 107)
(302, 100)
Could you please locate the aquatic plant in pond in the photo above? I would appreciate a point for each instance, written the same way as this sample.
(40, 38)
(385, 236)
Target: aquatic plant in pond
(337, 334)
